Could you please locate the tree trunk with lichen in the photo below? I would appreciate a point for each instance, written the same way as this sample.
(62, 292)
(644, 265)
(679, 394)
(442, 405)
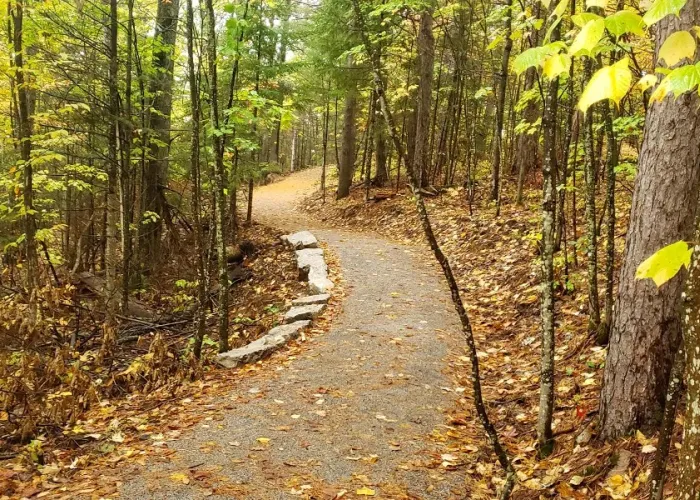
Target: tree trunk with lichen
(688, 484)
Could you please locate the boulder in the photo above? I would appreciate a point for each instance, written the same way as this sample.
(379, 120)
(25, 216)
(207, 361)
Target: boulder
(312, 299)
(298, 313)
(263, 347)
(302, 239)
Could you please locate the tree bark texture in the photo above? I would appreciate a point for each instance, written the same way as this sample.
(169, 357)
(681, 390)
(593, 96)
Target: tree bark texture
(426, 58)
(347, 153)
(646, 323)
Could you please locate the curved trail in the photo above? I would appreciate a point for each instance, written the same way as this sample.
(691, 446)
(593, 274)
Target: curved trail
(356, 408)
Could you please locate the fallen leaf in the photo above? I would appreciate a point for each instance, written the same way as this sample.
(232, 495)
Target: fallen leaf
(180, 477)
(365, 491)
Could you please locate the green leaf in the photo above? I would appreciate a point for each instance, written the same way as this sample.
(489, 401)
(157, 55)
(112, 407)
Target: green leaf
(556, 65)
(551, 29)
(588, 37)
(535, 56)
(678, 46)
(665, 263)
(581, 19)
(623, 22)
(609, 82)
(661, 9)
(495, 43)
(679, 81)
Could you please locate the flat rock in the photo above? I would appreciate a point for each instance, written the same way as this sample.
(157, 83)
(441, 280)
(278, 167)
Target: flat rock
(302, 239)
(308, 259)
(312, 267)
(319, 283)
(322, 298)
(263, 347)
(298, 313)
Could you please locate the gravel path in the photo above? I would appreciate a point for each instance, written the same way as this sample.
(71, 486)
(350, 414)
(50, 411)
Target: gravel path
(356, 409)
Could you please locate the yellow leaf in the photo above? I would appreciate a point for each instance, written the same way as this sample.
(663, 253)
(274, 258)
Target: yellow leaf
(665, 263)
(556, 65)
(180, 477)
(596, 3)
(588, 37)
(646, 82)
(641, 438)
(365, 492)
(560, 8)
(678, 46)
(609, 82)
(263, 440)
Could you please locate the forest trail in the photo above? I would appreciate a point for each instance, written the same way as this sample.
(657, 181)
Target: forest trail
(356, 409)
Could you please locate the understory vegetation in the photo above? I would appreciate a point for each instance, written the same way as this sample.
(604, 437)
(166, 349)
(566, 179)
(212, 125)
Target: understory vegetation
(545, 151)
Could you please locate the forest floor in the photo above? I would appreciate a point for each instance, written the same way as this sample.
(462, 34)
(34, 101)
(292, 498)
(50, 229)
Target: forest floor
(376, 401)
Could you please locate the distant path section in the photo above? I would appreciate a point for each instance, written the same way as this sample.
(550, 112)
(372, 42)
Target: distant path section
(360, 410)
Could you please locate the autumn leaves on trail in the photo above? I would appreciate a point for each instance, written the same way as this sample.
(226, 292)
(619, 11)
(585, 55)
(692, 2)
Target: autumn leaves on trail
(352, 409)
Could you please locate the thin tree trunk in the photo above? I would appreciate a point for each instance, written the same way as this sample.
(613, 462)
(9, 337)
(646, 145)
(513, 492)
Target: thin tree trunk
(126, 170)
(591, 223)
(549, 168)
(196, 186)
(112, 199)
(325, 144)
(610, 166)
(500, 107)
(219, 178)
(673, 396)
(688, 482)
(25, 130)
(426, 57)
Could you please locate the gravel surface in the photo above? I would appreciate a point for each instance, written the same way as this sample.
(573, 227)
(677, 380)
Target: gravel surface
(356, 409)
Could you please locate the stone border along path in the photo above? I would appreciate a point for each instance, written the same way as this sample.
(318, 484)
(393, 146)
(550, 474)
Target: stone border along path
(312, 267)
(361, 406)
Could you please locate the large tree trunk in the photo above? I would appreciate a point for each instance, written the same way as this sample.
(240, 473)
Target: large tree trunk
(382, 174)
(156, 172)
(426, 58)
(646, 324)
(347, 154)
